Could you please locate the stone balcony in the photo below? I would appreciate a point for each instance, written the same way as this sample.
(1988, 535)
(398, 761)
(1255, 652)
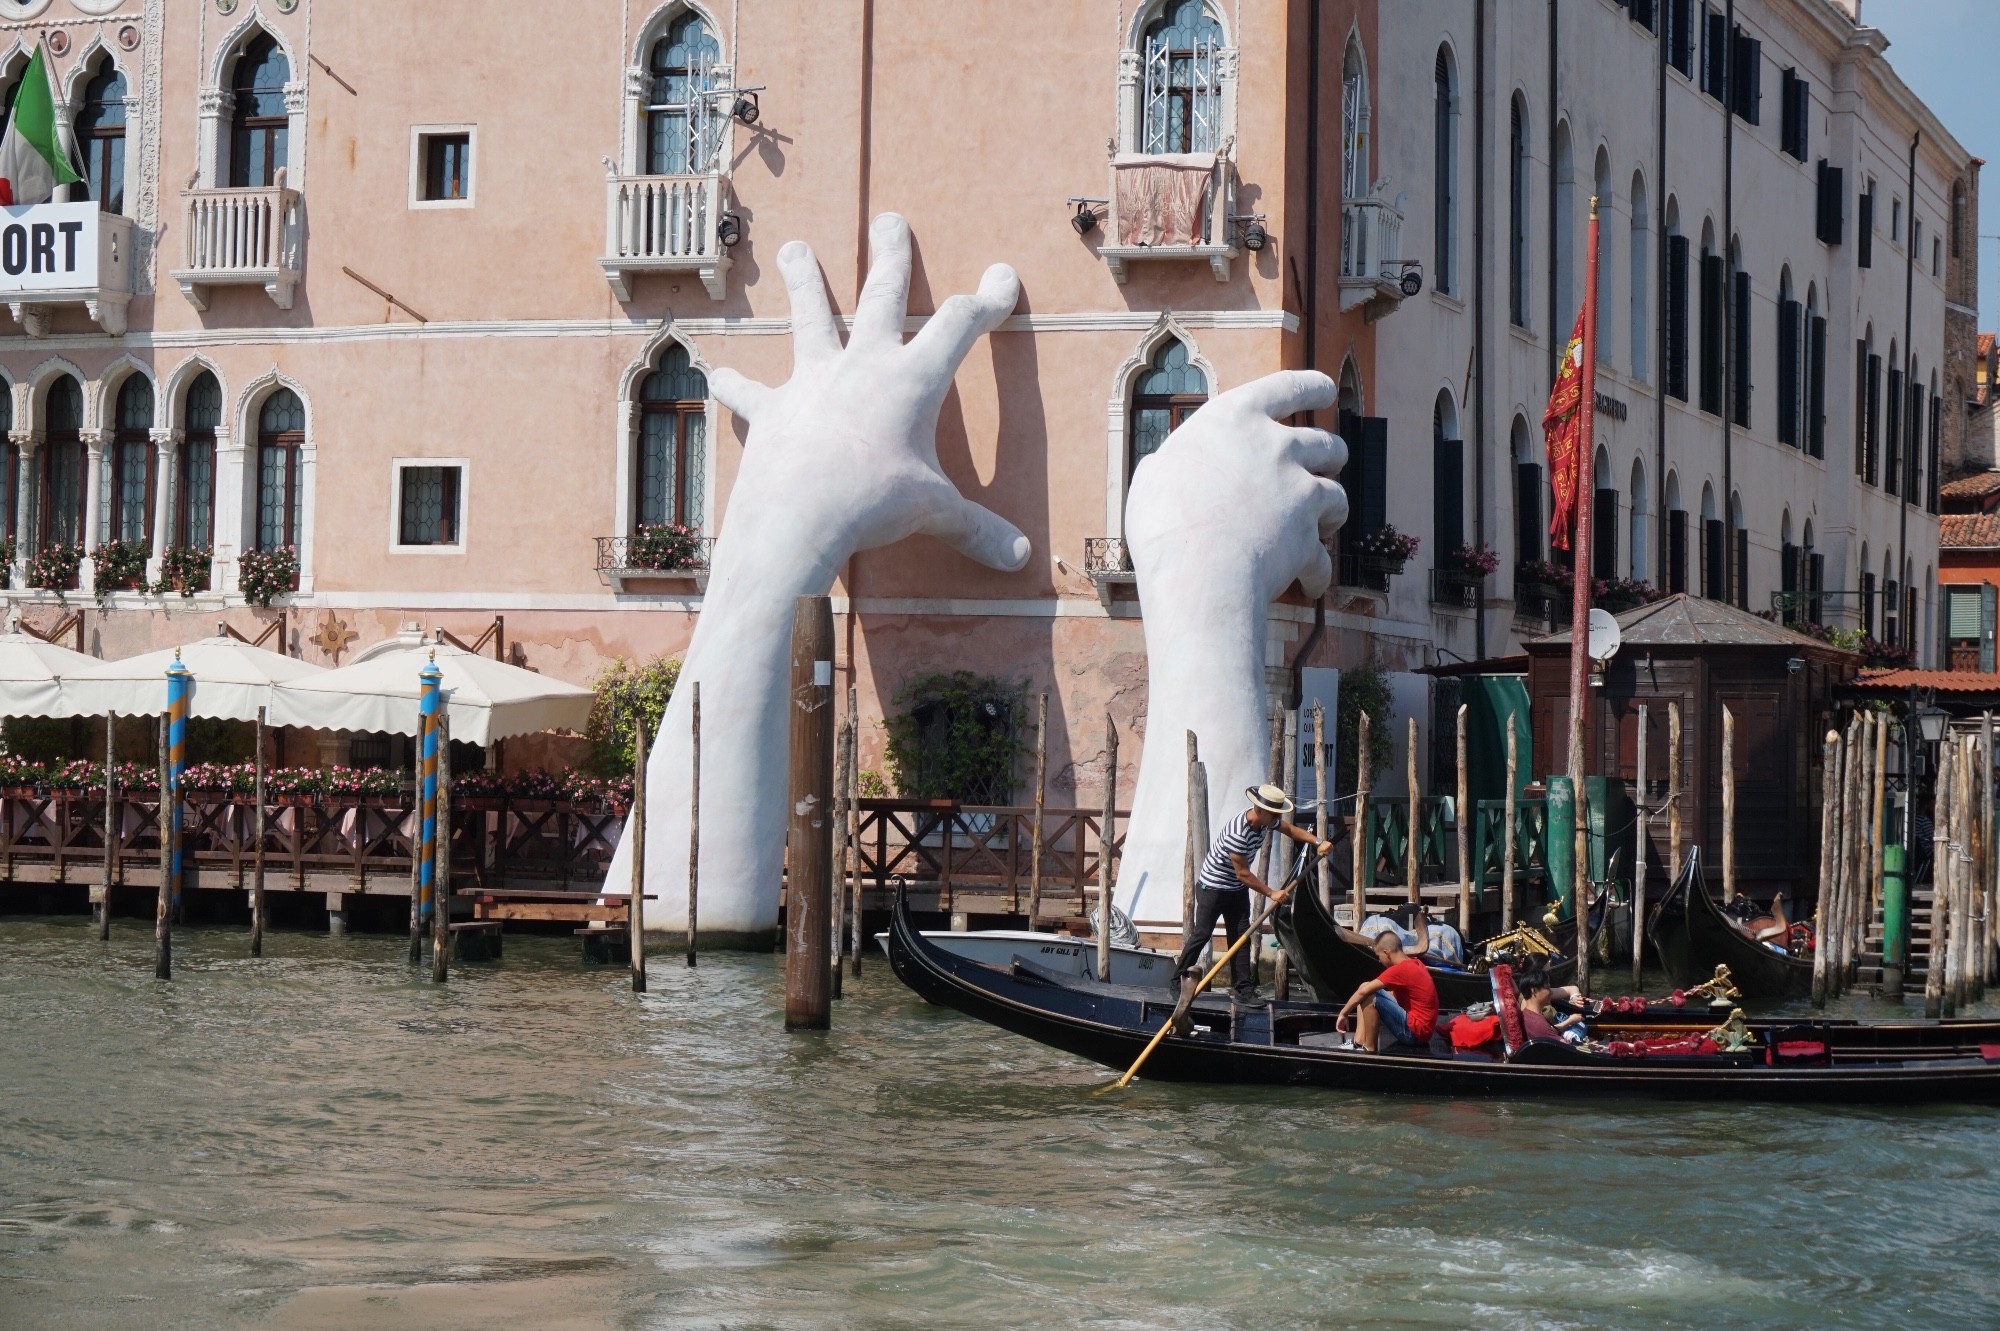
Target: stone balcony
(667, 224)
(242, 237)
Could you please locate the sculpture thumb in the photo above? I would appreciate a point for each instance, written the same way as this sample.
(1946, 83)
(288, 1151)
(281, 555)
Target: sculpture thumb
(977, 532)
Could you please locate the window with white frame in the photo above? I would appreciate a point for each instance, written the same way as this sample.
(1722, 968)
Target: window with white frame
(100, 134)
(1168, 391)
(441, 166)
(429, 503)
(671, 456)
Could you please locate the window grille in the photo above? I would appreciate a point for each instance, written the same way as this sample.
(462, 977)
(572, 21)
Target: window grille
(1182, 95)
(683, 129)
(672, 450)
(1166, 393)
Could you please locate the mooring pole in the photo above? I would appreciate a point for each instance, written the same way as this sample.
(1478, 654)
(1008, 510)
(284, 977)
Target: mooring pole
(178, 683)
(1412, 857)
(1325, 798)
(110, 824)
(418, 919)
(441, 898)
(1364, 778)
(427, 705)
(694, 818)
(1833, 793)
(809, 881)
(163, 938)
(1197, 834)
(1579, 625)
(843, 751)
(1728, 804)
(1673, 790)
(1463, 820)
(854, 830)
(1640, 862)
(257, 919)
(1275, 774)
(1107, 834)
(1507, 835)
(635, 909)
(1041, 792)
(1879, 807)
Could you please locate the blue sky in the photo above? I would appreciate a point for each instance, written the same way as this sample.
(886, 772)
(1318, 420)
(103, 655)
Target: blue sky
(1943, 50)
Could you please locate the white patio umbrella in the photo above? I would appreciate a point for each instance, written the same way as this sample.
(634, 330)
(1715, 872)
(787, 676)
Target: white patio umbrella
(489, 699)
(232, 679)
(31, 675)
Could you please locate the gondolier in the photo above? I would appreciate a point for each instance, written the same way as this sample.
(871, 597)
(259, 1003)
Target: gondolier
(1227, 878)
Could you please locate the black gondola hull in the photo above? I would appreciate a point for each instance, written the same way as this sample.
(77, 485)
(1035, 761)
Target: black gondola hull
(1691, 937)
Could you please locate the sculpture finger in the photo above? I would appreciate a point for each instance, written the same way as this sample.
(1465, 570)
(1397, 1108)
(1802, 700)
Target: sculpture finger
(1317, 575)
(744, 397)
(1281, 394)
(975, 531)
(1319, 451)
(885, 296)
(814, 334)
(961, 321)
(1332, 507)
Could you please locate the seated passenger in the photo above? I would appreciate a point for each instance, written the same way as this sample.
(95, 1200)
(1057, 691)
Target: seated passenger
(1537, 1003)
(1399, 1006)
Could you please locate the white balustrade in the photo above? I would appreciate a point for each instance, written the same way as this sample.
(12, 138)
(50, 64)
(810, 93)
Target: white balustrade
(664, 224)
(242, 237)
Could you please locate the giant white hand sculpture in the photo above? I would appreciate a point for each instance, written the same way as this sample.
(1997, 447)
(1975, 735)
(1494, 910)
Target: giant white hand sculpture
(841, 457)
(1230, 511)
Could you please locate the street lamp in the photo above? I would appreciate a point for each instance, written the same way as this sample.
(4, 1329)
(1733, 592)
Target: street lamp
(1931, 724)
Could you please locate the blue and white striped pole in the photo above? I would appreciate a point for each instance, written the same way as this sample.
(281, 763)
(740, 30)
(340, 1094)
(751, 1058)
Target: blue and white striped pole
(179, 683)
(428, 680)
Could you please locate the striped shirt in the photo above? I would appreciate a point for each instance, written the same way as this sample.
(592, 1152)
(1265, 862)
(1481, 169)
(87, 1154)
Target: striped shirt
(1239, 837)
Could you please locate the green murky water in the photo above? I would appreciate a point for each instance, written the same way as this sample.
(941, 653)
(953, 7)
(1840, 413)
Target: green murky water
(318, 1139)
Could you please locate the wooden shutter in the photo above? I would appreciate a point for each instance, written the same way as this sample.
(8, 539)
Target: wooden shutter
(1713, 574)
(1715, 56)
(1987, 593)
(1832, 195)
(1816, 386)
(1892, 456)
(1816, 582)
(1788, 372)
(1742, 570)
(1677, 317)
(1864, 232)
(1937, 421)
(1604, 535)
(1677, 550)
(1679, 35)
(1873, 453)
(1913, 447)
(1739, 381)
(1746, 77)
(1374, 498)
(1711, 333)
(1868, 603)
(1447, 498)
(1527, 512)
(1642, 13)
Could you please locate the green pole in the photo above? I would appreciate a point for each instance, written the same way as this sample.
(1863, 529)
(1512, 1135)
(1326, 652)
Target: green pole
(1895, 922)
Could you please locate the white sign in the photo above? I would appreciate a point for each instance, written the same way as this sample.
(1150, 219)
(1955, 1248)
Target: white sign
(49, 247)
(1321, 685)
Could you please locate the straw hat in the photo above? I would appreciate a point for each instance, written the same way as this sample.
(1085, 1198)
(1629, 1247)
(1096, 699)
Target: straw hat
(1270, 798)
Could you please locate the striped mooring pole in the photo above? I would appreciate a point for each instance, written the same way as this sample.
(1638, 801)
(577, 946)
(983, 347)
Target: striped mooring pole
(427, 705)
(179, 682)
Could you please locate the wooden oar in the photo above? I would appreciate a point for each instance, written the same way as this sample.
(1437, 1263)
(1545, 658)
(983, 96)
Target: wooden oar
(1188, 997)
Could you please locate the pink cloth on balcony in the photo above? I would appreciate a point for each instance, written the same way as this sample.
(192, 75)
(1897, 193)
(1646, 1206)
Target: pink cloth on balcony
(1157, 199)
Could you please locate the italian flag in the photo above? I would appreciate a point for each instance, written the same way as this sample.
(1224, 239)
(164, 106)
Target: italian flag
(32, 161)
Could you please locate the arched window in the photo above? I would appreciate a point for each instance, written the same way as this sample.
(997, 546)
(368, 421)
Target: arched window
(1181, 101)
(1354, 113)
(1607, 353)
(281, 435)
(1892, 601)
(1527, 493)
(1447, 480)
(259, 125)
(1444, 183)
(1641, 276)
(1564, 223)
(1167, 392)
(1714, 548)
(1789, 571)
(100, 132)
(1677, 536)
(1640, 517)
(194, 509)
(1866, 575)
(63, 464)
(1739, 331)
(130, 495)
(672, 458)
(683, 129)
(1812, 576)
(1739, 555)
(1519, 262)
(1791, 345)
(1603, 519)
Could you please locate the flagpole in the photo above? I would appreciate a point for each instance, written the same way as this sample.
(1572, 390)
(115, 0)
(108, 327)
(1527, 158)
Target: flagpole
(1579, 625)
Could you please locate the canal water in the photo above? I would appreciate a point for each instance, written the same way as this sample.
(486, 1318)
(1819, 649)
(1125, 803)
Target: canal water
(320, 1140)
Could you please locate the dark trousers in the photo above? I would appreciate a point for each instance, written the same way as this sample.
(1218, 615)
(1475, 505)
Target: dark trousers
(1233, 909)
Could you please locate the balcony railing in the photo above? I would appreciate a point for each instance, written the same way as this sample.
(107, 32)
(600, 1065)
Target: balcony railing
(1153, 216)
(615, 564)
(1453, 590)
(1107, 559)
(1535, 604)
(1371, 245)
(243, 237)
(1367, 572)
(665, 224)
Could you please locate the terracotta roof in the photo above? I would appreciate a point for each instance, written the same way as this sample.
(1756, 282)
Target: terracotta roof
(1974, 485)
(1940, 681)
(1969, 531)
(1984, 345)
(1687, 621)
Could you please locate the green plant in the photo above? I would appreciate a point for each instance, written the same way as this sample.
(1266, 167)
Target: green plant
(262, 575)
(870, 784)
(118, 566)
(1362, 689)
(44, 741)
(957, 736)
(54, 568)
(666, 546)
(7, 549)
(183, 569)
(1386, 543)
(624, 694)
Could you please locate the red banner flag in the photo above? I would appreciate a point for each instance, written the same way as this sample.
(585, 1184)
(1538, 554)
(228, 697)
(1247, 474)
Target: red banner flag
(1562, 427)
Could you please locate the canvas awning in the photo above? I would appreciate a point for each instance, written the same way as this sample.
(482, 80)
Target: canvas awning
(31, 675)
(489, 699)
(232, 679)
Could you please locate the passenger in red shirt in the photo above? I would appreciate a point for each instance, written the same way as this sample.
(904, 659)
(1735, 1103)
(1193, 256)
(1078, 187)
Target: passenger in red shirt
(1399, 1006)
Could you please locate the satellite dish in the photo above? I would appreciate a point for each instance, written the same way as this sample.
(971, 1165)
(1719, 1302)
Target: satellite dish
(1604, 636)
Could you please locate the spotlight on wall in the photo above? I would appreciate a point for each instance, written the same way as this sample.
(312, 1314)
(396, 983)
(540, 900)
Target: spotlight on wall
(745, 109)
(1085, 218)
(1254, 236)
(1412, 280)
(728, 230)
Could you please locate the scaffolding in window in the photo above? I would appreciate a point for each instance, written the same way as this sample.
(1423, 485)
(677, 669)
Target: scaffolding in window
(1181, 97)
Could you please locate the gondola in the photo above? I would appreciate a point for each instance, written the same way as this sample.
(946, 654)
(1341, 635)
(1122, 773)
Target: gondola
(1692, 937)
(1335, 967)
(1292, 1045)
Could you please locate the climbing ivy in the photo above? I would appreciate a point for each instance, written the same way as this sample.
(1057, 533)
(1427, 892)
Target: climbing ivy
(1362, 689)
(957, 735)
(625, 693)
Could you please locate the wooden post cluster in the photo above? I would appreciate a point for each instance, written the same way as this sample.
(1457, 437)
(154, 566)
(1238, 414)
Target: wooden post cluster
(1107, 836)
(809, 841)
(1851, 789)
(1831, 796)
(1960, 958)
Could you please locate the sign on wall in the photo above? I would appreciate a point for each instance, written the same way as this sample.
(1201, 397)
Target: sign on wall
(49, 247)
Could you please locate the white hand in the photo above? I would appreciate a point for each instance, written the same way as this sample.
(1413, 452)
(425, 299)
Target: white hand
(841, 457)
(1231, 510)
